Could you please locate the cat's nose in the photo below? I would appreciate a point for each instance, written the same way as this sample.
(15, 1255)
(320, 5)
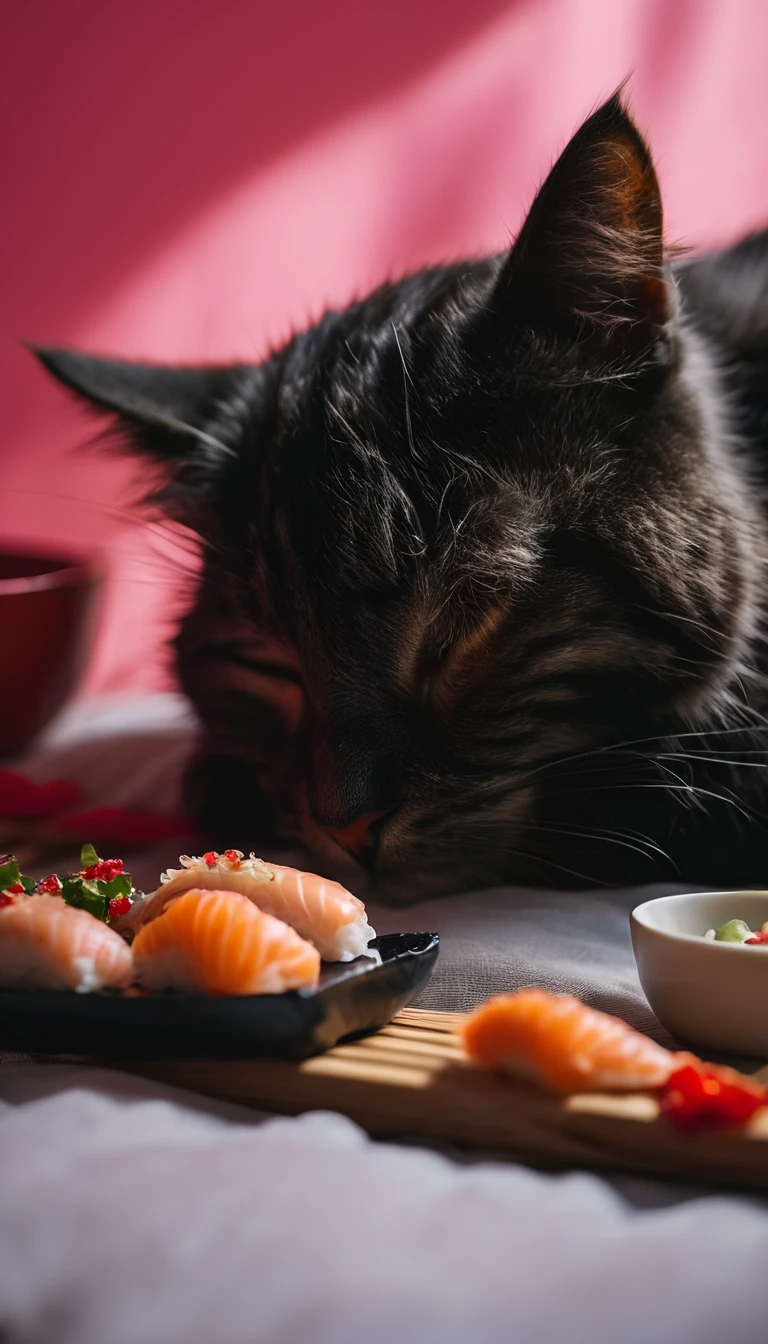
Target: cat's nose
(352, 786)
(360, 837)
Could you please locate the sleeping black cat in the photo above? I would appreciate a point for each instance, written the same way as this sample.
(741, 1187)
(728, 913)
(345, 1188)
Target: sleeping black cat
(484, 557)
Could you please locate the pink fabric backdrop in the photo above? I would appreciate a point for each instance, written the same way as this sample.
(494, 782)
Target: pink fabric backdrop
(189, 180)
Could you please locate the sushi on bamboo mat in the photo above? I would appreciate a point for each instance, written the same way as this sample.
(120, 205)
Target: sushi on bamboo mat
(413, 1078)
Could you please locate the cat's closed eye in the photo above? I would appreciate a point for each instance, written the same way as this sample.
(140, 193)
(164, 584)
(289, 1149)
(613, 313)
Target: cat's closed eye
(445, 669)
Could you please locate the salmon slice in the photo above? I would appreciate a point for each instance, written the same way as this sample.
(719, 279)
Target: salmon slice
(320, 910)
(47, 944)
(564, 1044)
(219, 942)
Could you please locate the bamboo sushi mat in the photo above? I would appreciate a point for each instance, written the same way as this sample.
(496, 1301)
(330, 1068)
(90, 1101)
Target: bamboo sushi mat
(412, 1078)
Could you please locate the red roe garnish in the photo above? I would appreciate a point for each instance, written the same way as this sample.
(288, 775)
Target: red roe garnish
(210, 858)
(235, 860)
(16, 889)
(49, 884)
(103, 871)
(758, 937)
(700, 1096)
(5, 899)
(119, 905)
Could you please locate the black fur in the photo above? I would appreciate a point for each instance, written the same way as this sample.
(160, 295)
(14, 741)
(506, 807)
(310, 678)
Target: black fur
(485, 554)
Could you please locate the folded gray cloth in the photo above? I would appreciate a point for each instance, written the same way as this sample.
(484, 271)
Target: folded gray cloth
(497, 941)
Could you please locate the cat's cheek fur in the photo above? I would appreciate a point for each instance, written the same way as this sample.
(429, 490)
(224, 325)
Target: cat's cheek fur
(722, 574)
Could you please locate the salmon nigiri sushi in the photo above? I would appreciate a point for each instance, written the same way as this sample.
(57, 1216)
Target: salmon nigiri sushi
(219, 942)
(320, 910)
(47, 944)
(562, 1043)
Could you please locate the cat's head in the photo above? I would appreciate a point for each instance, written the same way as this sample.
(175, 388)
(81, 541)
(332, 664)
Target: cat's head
(488, 516)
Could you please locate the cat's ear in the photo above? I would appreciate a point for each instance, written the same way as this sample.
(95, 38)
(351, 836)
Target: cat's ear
(166, 414)
(589, 259)
(167, 409)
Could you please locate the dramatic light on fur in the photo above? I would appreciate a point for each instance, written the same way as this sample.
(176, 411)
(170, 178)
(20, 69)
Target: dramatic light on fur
(486, 553)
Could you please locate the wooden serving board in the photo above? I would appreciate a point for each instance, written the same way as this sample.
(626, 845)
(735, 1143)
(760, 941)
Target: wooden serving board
(412, 1078)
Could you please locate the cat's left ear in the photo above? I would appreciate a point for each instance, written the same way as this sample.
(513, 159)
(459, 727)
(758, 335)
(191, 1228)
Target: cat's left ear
(589, 260)
(163, 413)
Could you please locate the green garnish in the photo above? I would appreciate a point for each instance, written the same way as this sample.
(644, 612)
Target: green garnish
(118, 886)
(9, 874)
(88, 857)
(85, 894)
(99, 884)
(735, 931)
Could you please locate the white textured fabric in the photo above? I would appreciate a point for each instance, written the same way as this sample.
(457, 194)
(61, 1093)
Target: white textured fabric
(136, 1214)
(128, 1221)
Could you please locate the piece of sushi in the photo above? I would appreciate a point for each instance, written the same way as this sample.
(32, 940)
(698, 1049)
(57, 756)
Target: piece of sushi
(563, 1044)
(320, 910)
(219, 942)
(47, 944)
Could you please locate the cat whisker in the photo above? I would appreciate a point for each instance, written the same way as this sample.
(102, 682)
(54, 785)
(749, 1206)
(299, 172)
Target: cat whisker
(184, 543)
(406, 380)
(683, 620)
(590, 879)
(689, 789)
(603, 836)
(617, 747)
(717, 760)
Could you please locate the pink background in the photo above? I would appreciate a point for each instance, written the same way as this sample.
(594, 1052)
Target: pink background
(189, 180)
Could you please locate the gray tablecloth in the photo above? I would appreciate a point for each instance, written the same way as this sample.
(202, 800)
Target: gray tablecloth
(501, 940)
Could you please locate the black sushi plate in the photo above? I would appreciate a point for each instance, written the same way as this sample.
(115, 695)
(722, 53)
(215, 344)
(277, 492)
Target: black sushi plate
(352, 999)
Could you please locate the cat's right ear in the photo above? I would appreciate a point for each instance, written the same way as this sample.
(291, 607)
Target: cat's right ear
(167, 414)
(589, 261)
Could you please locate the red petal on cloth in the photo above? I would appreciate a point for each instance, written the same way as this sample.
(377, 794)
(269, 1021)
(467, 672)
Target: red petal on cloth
(120, 828)
(21, 800)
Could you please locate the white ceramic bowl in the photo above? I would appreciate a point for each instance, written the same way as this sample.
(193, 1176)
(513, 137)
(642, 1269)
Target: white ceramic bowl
(705, 993)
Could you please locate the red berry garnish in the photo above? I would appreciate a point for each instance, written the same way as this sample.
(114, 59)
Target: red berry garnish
(103, 871)
(16, 889)
(5, 900)
(50, 884)
(698, 1096)
(210, 858)
(119, 905)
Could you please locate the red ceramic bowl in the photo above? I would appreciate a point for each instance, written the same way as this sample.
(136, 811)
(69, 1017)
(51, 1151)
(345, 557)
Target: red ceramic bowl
(48, 611)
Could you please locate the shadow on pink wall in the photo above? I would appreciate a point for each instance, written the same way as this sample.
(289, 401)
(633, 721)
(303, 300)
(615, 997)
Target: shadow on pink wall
(188, 181)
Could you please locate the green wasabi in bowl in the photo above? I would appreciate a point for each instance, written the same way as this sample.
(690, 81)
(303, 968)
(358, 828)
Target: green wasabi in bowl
(737, 931)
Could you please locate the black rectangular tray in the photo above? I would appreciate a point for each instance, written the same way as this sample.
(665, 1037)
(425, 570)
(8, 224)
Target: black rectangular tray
(353, 998)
